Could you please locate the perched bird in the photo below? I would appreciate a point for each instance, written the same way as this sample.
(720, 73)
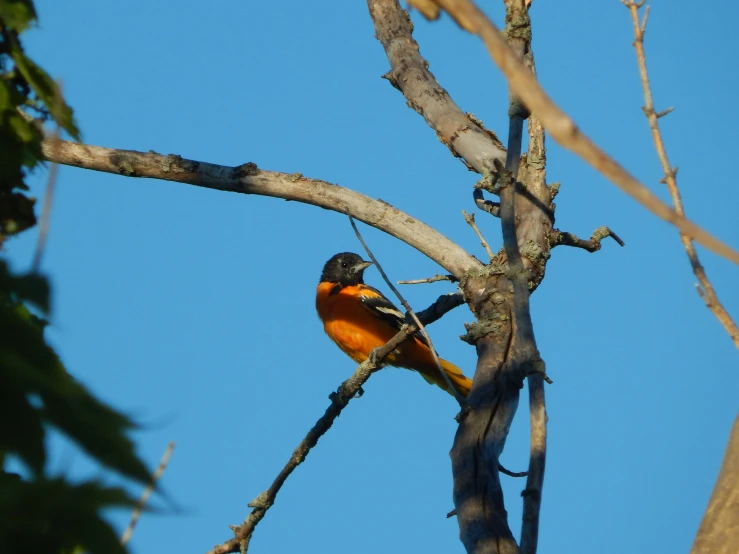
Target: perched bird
(358, 318)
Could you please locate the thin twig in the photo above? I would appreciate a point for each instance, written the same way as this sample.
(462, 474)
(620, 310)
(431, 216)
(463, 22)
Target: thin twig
(563, 129)
(708, 294)
(413, 315)
(510, 473)
(43, 228)
(488, 206)
(470, 219)
(339, 400)
(433, 279)
(561, 238)
(161, 468)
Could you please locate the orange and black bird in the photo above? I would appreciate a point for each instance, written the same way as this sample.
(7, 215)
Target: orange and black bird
(358, 318)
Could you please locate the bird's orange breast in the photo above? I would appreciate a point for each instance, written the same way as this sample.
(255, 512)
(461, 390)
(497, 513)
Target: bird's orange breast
(348, 323)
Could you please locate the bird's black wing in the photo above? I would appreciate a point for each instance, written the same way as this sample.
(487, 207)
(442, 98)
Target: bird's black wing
(379, 306)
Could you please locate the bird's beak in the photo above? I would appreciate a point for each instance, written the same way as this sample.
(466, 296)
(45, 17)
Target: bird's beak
(360, 267)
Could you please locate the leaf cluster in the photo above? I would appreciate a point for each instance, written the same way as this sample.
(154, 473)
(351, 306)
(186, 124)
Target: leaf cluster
(25, 89)
(40, 512)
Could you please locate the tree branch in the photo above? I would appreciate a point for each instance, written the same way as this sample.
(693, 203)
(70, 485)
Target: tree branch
(470, 219)
(518, 33)
(339, 400)
(493, 208)
(719, 530)
(248, 179)
(461, 132)
(706, 290)
(560, 238)
(139, 508)
(483, 429)
(563, 129)
(433, 279)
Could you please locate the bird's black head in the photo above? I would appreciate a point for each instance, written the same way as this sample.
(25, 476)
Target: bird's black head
(345, 268)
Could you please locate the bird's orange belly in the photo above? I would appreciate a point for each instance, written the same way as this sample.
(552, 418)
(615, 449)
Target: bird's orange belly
(357, 342)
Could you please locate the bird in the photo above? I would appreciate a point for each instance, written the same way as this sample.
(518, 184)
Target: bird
(358, 318)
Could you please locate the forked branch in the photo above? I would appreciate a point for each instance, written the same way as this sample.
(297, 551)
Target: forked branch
(561, 126)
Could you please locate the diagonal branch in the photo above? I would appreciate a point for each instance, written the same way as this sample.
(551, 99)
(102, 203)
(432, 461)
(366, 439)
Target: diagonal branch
(248, 179)
(339, 400)
(452, 389)
(470, 219)
(706, 290)
(461, 132)
(139, 508)
(564, 130)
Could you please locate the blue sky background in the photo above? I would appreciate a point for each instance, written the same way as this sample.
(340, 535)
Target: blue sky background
(193, 310)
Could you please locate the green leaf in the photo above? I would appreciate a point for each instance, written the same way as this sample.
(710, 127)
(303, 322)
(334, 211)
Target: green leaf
(57, 516)
(98, 429)
(31, 287)
(47, 91)
(21, 431)
(17, 14)
(33, 367)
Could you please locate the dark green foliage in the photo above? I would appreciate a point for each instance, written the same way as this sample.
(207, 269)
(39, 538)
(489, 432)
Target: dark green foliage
(40, 513)
(23, 85)
(56, 516)
(32, 370)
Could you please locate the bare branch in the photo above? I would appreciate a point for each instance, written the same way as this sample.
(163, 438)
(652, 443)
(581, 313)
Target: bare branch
(518, 33)
(564, 130)
(493, 208)
(461, 132)
(706, 290)
(339, 400)
(470, 219)
(433, 279)
(452, 389)
(43, 228)
(561, 238)
(248, 179)
(719, 530)
(161, 468)
(510, 473)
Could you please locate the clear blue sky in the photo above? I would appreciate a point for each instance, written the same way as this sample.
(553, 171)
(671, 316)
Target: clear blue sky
(193, 310)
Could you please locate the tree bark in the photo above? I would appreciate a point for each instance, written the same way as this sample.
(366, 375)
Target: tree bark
(719, 530)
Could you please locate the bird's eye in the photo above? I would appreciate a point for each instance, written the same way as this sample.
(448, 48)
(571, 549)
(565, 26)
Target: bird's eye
(344, 265)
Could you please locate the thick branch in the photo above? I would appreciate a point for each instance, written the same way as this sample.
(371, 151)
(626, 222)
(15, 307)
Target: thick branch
(564, 130)
(248, 179)
(518, 34)
(339, 400)
(719, 530)
(462, 133)
(706, 289)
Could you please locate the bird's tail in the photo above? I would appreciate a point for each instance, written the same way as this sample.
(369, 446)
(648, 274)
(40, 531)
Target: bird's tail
(457, 378)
